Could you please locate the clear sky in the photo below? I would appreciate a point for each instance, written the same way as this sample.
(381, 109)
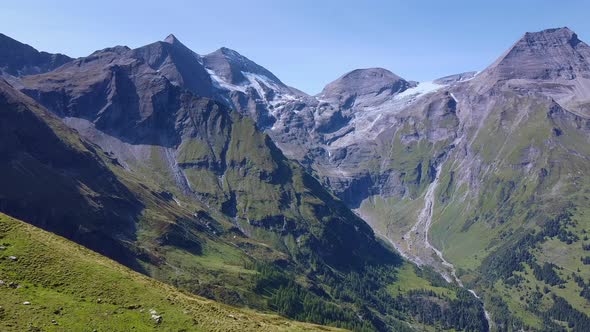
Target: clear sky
(306, 43)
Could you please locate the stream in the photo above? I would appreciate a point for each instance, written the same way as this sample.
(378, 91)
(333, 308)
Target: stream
(417, 245)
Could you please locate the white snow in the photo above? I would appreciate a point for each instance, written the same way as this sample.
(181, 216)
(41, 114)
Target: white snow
(421, 89)
(470, 78)
(255, 81)
(220, 83)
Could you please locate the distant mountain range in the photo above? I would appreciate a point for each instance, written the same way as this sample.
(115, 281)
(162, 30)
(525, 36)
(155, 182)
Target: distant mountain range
(379, 204)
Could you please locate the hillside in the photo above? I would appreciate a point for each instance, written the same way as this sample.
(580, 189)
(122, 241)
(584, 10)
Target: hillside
(70, 288)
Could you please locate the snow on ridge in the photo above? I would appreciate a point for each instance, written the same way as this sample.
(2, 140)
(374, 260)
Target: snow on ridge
(261, 84)
(278, 99)
(421, 89)
(222, 84)
(254, 81)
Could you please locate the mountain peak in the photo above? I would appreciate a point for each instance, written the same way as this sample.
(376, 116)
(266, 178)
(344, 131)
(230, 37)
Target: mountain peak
(366, 81)
(548, 54)
(550, 38)
(171, 39)
(229, 52)
(375, 73)
(178, 63)
(231, 66)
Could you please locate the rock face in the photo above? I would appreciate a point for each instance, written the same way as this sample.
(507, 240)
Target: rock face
(18, 59)
(552, 62)
(176, 62)
(549, 54)
(118, 91)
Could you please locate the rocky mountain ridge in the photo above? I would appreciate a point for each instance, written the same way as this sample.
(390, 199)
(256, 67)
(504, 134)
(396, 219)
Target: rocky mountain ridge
(20, 59)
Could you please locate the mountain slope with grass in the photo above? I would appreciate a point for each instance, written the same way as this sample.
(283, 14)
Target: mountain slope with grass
(52, 284)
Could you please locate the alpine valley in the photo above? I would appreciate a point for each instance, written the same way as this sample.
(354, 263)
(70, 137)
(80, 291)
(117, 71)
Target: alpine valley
(159, 189)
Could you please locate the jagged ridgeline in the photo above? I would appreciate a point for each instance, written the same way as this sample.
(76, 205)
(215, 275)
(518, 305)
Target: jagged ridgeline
(121, 152)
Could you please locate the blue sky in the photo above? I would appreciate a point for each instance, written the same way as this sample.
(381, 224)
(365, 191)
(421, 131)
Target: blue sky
(305, 43)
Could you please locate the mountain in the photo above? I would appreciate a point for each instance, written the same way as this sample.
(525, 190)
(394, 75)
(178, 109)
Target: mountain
(362, 82)
(178, 64)
(477, 175)
(19, 59)
(190, 146)
(248, 87)
(57, 278)
(44, 174)
(552, 62)
(477, 178)
(549, 54)
(233, 68)
(181, 188)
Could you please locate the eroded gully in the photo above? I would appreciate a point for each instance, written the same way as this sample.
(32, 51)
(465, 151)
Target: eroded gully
(416, 245)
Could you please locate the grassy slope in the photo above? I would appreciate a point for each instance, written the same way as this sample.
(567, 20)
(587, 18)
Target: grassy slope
(534, 176)
(81, 290)
(529, 175)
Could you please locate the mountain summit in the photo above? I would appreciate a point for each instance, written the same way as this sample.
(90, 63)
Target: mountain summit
(177, 63)
(364, 82)
(171, 39)
(231, 66)
(548, 54)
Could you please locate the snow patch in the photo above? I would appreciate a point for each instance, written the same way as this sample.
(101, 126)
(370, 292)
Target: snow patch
(421, 89)
(220, 83)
